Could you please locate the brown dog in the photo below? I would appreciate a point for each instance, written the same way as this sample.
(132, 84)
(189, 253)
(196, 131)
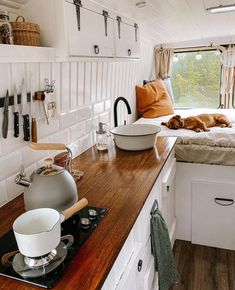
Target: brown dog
(199, 123)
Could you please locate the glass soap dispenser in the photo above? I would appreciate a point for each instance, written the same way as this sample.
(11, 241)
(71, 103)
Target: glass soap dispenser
(101, 137)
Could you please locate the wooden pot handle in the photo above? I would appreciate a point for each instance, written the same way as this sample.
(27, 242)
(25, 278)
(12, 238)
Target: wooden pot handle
(47, 146)
(75, 208)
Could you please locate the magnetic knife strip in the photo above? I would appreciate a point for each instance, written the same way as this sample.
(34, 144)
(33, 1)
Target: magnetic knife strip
(11, 100)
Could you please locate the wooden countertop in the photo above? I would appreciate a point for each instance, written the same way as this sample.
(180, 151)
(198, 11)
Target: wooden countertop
(118, 180)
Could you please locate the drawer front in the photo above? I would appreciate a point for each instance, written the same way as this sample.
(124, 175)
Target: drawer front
(129, 279)
(213, 214)
(139, 273)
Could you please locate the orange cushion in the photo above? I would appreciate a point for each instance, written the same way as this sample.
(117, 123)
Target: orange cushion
(153, 100)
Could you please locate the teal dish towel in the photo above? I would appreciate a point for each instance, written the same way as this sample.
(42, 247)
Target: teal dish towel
(161, 251)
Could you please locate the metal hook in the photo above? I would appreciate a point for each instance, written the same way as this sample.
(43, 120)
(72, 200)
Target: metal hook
(154, 206)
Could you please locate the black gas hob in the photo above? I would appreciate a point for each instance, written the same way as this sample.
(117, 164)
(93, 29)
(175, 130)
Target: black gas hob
(77, 226)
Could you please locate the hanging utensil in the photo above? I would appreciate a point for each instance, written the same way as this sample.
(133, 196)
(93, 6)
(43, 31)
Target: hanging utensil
(34, 130)
(5, 116)
(25, 115)
(16, 114)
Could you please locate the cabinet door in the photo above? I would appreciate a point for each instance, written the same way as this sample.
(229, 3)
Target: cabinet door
(139, 273)
(127, 39)
(129, 279)
(168, 195)
(89, 32)
(213, 214)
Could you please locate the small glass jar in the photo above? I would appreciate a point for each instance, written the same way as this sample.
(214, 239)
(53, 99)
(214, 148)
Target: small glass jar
(6, 34)
(101, 138)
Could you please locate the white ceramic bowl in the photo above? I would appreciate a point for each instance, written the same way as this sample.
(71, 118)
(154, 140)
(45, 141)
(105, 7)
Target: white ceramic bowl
(135, 137)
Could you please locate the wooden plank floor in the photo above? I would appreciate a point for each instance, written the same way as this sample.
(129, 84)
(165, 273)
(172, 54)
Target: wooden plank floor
(204, 268)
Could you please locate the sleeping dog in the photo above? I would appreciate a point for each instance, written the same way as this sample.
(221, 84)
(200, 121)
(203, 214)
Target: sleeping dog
(199, 123)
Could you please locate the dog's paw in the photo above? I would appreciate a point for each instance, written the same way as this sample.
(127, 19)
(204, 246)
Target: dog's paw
(223, 125)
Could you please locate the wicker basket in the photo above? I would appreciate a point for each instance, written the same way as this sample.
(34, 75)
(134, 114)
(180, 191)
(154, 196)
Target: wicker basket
(25, 33)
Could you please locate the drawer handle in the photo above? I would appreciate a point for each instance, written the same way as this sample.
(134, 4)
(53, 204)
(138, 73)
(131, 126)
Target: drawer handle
(140, 264)
(224, 201)
(129, 52)
(97, 49)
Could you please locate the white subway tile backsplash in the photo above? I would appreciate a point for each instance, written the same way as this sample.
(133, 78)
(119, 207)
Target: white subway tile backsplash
(31, 156)
(11, 143)
(85, 143)
(78, 131)
(68, 119)
(104, 118)
(10, 164)
(84, 113)
(74, 147)
(98, 108)
(13, 189)
(95, 123)
(3, 193)
(89, 126)
(45, 130)
(60, 137)
(107, 105)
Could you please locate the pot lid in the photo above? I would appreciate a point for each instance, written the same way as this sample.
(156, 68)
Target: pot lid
(49, 169)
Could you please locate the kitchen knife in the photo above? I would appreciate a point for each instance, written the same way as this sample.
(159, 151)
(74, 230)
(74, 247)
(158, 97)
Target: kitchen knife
(5, 116)
(16, 115)
(25, 115)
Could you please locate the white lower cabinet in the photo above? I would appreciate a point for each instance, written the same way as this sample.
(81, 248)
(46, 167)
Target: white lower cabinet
(134, 266)
(213, 213)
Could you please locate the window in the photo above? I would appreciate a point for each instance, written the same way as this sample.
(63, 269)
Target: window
(196, 79)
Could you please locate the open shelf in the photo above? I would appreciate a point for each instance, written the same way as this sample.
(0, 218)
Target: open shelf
(20, 53)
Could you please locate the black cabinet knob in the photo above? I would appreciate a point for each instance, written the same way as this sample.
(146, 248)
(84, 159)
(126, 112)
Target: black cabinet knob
(129, 52)
(140, 264)
(96, 49)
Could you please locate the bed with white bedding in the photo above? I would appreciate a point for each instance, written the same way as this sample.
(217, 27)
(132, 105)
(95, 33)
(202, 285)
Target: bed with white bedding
(214, 147)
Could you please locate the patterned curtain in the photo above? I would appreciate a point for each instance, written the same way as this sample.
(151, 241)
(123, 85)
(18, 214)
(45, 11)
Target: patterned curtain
(227, 88)
(163, 61)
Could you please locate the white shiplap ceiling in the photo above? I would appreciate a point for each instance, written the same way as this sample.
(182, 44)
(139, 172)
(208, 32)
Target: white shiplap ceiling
(175, 21)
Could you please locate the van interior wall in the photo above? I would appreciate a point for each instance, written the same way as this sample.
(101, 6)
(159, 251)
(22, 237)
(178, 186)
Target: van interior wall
(85, 92)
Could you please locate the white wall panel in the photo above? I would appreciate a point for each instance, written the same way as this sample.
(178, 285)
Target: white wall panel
(81, 78)
(104, 80)
(85, 92)
(87, 88)
(65, 88)
(99, 81)
(73, 85)
(93, 82)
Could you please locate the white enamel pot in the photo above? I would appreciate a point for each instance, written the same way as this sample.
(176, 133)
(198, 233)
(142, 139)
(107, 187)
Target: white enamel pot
(38, 231)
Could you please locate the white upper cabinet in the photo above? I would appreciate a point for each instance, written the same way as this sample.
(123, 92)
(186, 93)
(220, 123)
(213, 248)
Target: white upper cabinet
(83, 28)
(90, 30)
(126, 38)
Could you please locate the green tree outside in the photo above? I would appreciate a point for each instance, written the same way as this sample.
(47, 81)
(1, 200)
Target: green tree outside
(196, 83)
